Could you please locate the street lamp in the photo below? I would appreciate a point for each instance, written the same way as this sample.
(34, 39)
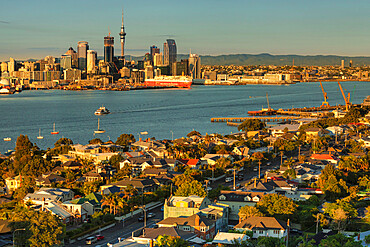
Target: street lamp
(21, 229)
(143, 208)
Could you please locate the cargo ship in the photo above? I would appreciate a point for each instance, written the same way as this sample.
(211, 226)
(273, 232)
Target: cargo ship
(169, 81)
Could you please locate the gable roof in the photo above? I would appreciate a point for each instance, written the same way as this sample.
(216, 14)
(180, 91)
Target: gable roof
(239, 196)
(188, 221)
(323, 157)
(93, 198)
(153, 233)
(256, 222)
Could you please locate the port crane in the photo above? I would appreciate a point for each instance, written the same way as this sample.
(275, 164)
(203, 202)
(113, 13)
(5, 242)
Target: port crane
(325, 103)
(346, 99)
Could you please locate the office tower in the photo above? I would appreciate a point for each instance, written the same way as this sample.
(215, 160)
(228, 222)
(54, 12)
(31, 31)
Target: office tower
(4, 67)
(82, 47)
(342, 64)
(169, 52)
(149, 72)
(108, 49)
(158, 59)
(181, 68)
(194, 66)
(154, 50)
(122, 36)
(66, 62)
(74, 57)
(12, 65)
(91, 61)
(350, 63)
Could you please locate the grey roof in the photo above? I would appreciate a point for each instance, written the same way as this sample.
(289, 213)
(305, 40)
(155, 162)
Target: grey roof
(169, 231)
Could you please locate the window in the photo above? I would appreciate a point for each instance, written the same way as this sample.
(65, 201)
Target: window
(260, 232)
(203, 229)
(276, 231)
(186, 228)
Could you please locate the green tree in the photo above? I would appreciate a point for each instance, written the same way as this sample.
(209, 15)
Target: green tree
(192, 188)
(115, 160)
(42, 228)
(90, 187)
(170, 241)
(63, 142)
(193, 133)
(251, 125)
(95, 141)
(339, 240)
(275, 204)
(248, 211)
(125, 139)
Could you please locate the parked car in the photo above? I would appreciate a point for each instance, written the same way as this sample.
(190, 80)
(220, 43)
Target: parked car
(99, 237)
(153, 226)
(140, 219)
(151, 215)
(228, 179)
(90, 240)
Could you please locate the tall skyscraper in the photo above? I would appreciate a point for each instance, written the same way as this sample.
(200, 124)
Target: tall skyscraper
(82, 47)
(91, 61)
(194, 66)
(169, 52)
(342, 64)
(73, 54)
(122, 36)
(154, 50)
(158, 59)
(108, 48)
(66, 62)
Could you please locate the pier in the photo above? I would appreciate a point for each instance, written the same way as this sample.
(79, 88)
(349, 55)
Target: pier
(242, 119)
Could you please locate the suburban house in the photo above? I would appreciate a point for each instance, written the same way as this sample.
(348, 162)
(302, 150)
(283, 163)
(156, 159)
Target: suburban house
(142, 185)
(279, 130)
(203, 227)
(228, 238)
(313, 132)
(263, 227)
(325, 157)
(177, 206)
(241, 151)
(192, 163)
(45, 195)
(83, 207)
(48, 178)
(93, 152)
(211, 159)
(238, 199)
(271, 186)
(151, 234)
(60, 211)
(72, 165)
(13, 183)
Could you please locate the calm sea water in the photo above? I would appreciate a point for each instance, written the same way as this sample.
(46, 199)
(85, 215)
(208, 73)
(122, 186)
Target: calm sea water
(156, 111)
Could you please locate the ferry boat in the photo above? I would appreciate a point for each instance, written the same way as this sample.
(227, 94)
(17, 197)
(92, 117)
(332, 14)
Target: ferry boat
(102, 111)
(169, 81)
(7, 139)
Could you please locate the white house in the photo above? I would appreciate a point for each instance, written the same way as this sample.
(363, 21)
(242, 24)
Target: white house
(263, 227)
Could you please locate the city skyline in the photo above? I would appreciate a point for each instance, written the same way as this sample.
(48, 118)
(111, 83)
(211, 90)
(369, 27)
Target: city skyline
(206, 27)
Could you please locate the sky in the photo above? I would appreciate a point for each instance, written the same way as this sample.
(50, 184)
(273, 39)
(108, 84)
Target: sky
(37, 28)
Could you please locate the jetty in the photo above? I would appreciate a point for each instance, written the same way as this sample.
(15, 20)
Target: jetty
(263, 119)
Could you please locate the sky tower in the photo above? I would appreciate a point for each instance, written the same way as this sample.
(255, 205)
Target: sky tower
(122, 36)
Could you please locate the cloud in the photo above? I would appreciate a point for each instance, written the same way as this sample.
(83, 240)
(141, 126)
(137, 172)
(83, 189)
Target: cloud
(4, 22)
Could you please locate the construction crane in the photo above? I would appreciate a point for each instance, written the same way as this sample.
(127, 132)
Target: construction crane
(346, 99)
(325, 103)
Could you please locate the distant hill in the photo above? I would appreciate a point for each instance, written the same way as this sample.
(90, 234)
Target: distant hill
(278, 60)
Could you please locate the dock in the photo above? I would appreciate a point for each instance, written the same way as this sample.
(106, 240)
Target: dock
(242, 119)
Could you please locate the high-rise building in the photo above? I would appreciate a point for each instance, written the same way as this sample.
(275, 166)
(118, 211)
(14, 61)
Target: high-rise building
(350, 63)
(4, 67)
(169, 52)
(158, 59)
(122, 36)
(82, 47)
(66, 62)
(342, 64)
(74, 57)
(154, 50)
(108, 49)
(91, 61)
(194, 66)
(12, 65)
(181, 68)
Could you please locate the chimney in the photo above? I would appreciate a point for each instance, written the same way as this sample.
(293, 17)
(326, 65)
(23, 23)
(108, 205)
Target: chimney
(255, 183)
(197, 220)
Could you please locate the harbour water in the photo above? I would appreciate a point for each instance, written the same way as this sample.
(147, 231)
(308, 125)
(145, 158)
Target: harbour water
(158, 112)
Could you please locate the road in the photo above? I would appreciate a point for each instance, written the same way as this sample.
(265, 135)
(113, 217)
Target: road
(111, 235)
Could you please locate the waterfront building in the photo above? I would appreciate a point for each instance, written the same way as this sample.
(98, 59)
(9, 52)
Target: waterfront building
(125, 72)
(169, 52)
(194, 66)
(342, 64)
(154, 50)
(108, 49)
(82, 47)
(122, 36)
(72, 74)
(91, 61)
(74, 56)
(158, 59)
(181, 68)
(66, 62)
(149, 73)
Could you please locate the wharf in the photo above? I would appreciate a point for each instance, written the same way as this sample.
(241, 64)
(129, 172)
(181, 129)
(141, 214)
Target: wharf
(242, 119)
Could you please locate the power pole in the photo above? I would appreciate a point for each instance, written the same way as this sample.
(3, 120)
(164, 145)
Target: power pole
(234, 178)
(259, 169)
(317, 224)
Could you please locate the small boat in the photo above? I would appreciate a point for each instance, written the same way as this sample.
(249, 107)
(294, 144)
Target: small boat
(7, 139)
(54, 132)
(102, 111)
(99, 131)
(40, 136)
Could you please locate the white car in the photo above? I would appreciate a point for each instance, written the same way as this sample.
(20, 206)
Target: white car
(151, 215)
